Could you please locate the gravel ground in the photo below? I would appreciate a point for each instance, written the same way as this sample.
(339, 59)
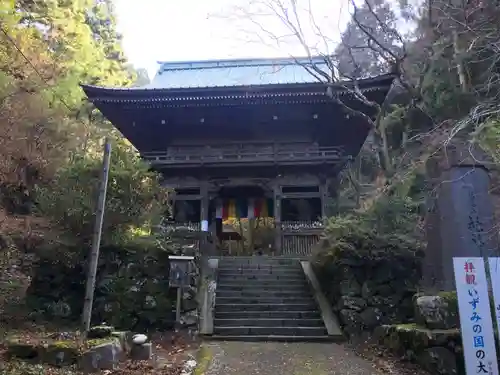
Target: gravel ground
(274, 358)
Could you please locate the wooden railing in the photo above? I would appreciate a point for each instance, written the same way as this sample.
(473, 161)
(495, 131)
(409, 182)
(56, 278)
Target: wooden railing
(300, 237)
(213, 156)
(301, 227)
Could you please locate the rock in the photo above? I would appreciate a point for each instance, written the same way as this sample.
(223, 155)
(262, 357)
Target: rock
(125, 338)
(189, 305)
(438, 360)
(139, 339)
(381, 332)
(371, 317)
(61, 353)
(384, 273)
(141, 352)
(435, 312)
(102, 357)
(353, 303)
(22, 348)
(100, 332)
(189, 319)
(351, 321)
(411, 341)
(370, 289)
(350, 287)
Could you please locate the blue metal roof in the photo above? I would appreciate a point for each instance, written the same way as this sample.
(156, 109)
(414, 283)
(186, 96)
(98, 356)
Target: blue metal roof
(224, 73)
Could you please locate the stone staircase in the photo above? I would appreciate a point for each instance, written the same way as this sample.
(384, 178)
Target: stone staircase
(265, 298)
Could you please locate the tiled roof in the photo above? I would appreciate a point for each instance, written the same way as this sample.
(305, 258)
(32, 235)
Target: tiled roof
(226, 73)
(227, 81)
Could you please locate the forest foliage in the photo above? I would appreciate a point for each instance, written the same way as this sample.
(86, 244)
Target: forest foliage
(51, 138)
(448, 87)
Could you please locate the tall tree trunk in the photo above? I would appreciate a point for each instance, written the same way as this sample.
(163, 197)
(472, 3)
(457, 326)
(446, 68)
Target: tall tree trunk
(458, 54)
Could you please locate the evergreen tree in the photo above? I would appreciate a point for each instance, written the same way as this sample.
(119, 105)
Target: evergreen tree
(369, 41)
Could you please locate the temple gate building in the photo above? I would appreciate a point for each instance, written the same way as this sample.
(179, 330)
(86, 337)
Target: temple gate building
(245, 139)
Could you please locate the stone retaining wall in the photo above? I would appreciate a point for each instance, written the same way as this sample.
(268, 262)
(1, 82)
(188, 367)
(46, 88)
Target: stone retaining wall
(366, 292)
(132, 289)
(433, 341)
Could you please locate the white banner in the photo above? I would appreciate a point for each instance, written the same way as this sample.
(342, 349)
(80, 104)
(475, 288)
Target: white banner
(476, 324)
(204, 225)
(494, 264)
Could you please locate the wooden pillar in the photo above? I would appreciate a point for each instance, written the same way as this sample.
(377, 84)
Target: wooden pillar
(277, 217)
(333, 189)
(204, 203)
(323, 190)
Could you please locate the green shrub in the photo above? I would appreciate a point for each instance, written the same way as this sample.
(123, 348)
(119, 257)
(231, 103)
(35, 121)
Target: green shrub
(135, 198)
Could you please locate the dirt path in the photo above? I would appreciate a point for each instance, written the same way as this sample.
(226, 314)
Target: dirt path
(242, 358)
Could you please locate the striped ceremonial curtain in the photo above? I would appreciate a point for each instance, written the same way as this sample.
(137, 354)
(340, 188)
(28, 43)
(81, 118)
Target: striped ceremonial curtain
(243, 208)
(218, 209)
(229, 209)
(261, 208)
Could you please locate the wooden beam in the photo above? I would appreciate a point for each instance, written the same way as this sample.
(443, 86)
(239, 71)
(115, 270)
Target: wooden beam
(304, 195)
(188, 197)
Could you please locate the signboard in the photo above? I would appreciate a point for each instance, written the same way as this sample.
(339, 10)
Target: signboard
(204, 225)
(494, 264)
(180, 267)
(475, 316)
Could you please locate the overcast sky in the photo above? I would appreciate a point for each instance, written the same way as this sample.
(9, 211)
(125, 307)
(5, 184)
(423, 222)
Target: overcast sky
(167, 30)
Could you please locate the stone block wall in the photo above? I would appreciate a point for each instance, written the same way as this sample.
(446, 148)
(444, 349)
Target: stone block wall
(132, 289)
(368, 291)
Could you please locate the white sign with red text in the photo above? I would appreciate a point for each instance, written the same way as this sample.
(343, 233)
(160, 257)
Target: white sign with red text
(476, 323)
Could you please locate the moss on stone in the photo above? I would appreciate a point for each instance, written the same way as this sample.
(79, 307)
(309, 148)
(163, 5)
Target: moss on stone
(66, 344)
(92, 343)
(451, 299)
(410, 339)
(61, 353)
(408, 326)
(203, 360)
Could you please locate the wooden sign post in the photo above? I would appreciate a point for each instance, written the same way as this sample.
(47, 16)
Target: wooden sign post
(96, 240)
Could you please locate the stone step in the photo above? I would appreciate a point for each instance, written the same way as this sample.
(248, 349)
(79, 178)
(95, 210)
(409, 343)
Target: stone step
(256, 285)
(258, 260)
(274, 277)
(313, 314)
(310, 306)
(268, 331)
(263, 300)
(296, 265)
(259, 271)
(256, 265)
(278, 338)
(270, 322)
(296, 293)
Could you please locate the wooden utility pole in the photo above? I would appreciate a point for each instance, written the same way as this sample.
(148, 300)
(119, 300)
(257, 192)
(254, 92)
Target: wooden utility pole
(96, 240)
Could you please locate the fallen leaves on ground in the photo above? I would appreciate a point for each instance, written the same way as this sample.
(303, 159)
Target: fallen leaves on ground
(171, 351)
(383, 360)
